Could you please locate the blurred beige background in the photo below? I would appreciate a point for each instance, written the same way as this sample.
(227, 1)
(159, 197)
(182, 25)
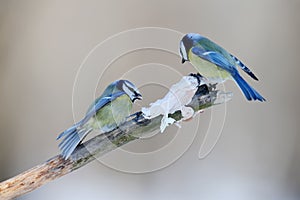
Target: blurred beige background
(42, 44)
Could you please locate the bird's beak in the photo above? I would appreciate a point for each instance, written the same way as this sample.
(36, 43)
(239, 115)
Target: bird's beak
(182, 60)
(137, 97)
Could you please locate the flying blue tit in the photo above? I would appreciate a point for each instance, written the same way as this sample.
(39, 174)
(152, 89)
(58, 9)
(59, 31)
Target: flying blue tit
(215, 63)
(106, 113)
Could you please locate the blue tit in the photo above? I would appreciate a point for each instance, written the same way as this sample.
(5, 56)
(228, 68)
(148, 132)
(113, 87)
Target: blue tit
(215, 63)
(106, 113)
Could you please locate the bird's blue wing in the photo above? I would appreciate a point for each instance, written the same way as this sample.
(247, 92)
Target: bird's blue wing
(215, 58)
(76, 133)
(219, 60)
(244, 67)
(100, 104)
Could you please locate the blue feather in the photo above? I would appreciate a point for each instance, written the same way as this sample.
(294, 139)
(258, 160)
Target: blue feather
(219, 60)
(249, 92)
(215, 58)
(76, 133)
(244, 67)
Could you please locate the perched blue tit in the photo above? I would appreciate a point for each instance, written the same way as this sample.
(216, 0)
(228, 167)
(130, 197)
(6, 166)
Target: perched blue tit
(215, 63)
(107, 112)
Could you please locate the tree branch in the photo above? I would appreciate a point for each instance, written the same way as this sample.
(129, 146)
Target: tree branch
(131, 130)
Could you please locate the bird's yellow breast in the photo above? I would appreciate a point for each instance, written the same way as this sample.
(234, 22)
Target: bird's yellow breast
(208, 69)
(112, 114)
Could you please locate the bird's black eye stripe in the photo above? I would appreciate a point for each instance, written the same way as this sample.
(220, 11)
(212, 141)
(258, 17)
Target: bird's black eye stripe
(130, 88)
(188, 43)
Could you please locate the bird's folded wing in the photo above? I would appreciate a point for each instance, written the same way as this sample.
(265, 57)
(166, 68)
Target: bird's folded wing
(100, 104)
(215, 58)
(244, 67)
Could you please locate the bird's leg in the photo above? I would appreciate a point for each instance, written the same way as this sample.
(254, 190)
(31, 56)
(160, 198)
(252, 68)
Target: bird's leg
(198, 76)
(205, 81)
(133, 115)
(139, 118)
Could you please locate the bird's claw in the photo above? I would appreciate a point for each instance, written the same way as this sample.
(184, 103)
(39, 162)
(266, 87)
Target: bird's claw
(212, 86)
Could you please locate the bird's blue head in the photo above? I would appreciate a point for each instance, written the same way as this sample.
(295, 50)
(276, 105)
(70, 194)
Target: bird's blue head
(129, 88)
(186, 43)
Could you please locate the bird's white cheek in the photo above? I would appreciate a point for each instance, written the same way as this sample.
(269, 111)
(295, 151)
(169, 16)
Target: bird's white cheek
(183, 51)
(128, 91)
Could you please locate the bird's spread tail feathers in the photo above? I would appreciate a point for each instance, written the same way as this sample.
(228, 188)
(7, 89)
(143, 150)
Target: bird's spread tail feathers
(72, 137)
(249, 92)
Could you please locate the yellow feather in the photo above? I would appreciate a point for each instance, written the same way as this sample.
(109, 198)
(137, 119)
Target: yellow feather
(208, 69)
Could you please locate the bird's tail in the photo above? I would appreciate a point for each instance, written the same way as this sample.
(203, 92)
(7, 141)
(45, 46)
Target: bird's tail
(72, 137)
(249, 92)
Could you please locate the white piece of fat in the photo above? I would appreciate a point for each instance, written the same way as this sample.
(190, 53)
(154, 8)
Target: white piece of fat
(179, 95)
